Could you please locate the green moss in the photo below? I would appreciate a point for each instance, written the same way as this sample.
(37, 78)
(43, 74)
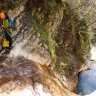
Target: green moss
(44, 12)
(57, 69)
(66, 9)
(10, 4)
(14, 4)
(50, 42)
(73, 41)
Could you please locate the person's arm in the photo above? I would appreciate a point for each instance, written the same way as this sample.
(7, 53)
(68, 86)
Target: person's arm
(11, 21)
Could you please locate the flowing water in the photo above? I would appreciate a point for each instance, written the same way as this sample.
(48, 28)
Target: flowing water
(87, 80)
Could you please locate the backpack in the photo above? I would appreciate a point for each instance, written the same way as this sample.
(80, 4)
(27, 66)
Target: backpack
(4, 22)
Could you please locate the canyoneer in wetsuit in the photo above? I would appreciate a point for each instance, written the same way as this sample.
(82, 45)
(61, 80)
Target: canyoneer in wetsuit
(6, 24)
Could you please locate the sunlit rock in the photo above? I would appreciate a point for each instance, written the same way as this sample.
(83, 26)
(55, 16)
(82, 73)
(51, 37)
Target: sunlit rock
(93, 53)
(92, 94)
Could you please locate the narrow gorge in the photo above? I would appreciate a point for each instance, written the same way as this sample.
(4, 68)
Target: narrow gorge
(51, 42)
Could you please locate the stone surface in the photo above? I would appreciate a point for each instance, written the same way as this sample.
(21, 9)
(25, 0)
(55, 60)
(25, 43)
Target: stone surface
(23, 77)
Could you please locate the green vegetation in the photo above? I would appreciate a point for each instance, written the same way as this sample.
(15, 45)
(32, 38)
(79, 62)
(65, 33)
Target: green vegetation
(44, 13)
(72, 38)
(93, 41)
(14, 3)
(73, 41)
(66, 9)
(9, 4)
(58, 69)
(44, 33)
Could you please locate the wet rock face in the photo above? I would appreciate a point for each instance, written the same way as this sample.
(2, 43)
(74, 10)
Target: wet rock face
(19, 76)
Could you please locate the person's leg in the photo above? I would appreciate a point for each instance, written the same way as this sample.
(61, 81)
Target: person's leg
(2, 48)
(10, 41)
(7, 50)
